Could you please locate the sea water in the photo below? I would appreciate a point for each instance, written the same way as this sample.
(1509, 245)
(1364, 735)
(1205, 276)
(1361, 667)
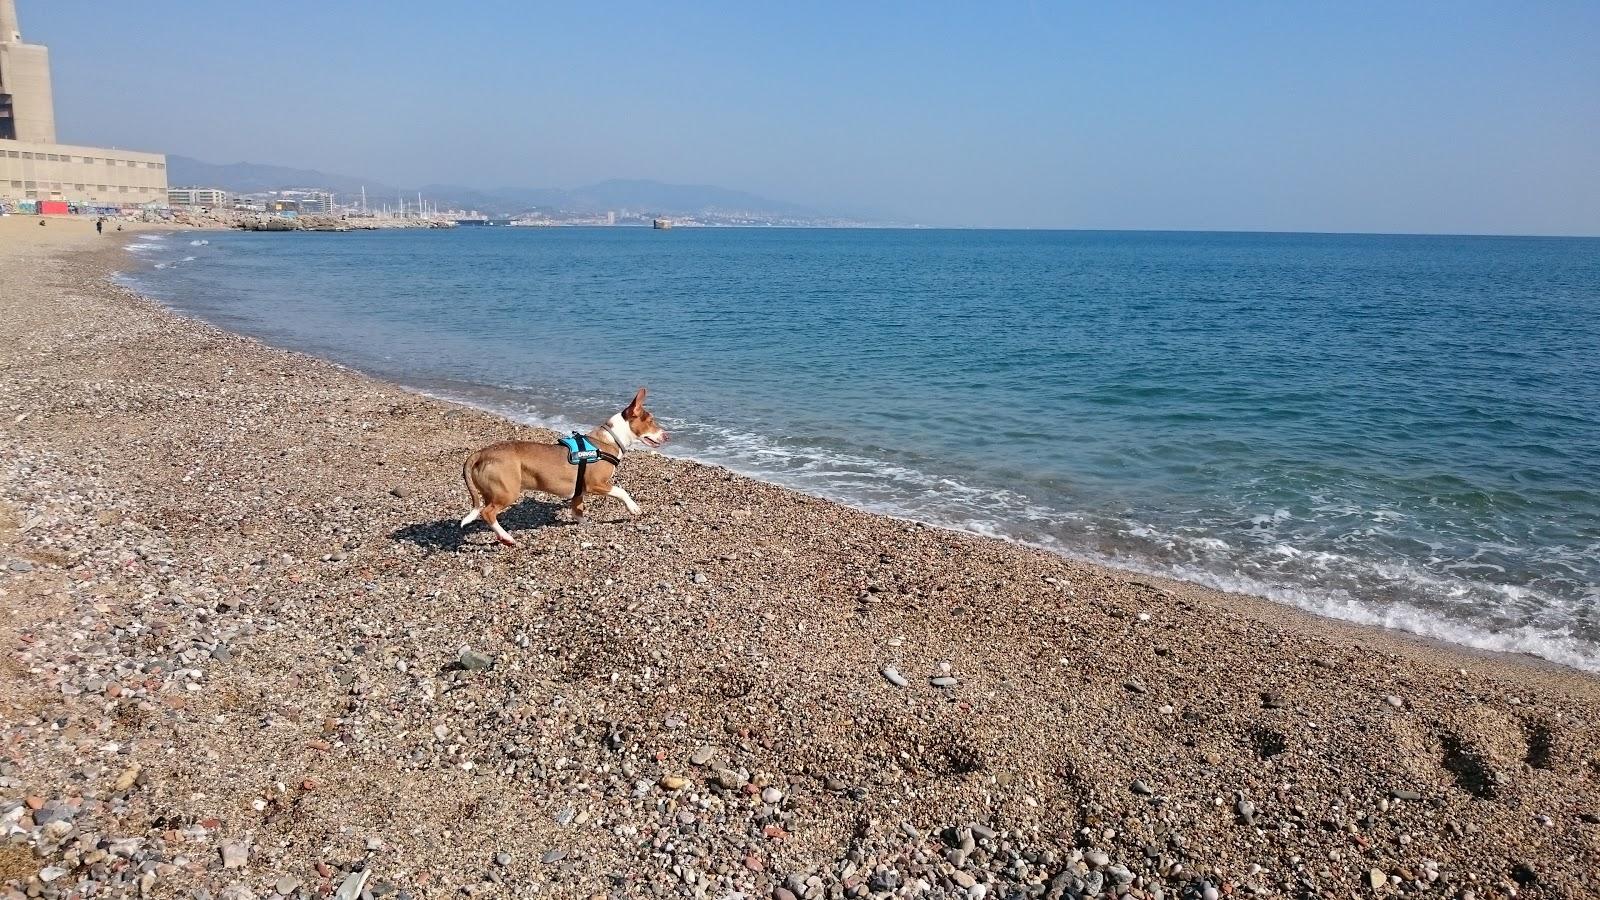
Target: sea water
(1396, 430)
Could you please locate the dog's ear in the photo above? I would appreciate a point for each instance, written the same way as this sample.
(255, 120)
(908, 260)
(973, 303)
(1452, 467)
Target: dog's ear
(637, 403)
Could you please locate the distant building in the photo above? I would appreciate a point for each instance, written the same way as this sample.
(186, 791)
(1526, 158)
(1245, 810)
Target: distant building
(33, 166)
(311, 203)
(211, 198)
(611, 217)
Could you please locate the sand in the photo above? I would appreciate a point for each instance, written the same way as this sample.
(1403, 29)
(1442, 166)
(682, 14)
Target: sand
(247, 650)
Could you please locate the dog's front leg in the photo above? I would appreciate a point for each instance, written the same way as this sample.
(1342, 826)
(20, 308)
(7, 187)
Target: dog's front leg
(617, 492)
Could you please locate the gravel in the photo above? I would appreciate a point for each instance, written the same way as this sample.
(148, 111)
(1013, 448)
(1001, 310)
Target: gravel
(234, 631)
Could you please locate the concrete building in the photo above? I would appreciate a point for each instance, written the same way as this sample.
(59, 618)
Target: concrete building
(211, 198)
(33, 167)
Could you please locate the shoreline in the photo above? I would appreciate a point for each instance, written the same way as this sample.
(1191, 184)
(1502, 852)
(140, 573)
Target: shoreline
(734, 614)
(1427, 643)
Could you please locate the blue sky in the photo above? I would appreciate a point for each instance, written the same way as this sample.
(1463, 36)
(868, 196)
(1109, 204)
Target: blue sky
(1349, 116)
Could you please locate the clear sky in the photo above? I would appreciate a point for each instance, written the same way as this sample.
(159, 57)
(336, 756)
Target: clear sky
(1456, 116)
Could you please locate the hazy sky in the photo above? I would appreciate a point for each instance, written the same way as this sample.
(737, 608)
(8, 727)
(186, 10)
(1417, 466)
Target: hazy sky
(1330, 116)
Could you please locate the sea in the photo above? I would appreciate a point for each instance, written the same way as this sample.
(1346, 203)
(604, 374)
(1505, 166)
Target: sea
(1402, 431)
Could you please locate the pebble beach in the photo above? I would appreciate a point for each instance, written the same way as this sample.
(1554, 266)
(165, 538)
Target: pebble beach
(246, 652)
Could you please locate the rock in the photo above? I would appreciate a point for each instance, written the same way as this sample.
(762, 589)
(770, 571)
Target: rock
(699, 578)
(502, 859)
(20, 565)
(1247, 811)
(1402, 794)
(51, 873)
(835, 784)
(894, 676)
(553, 856)
(287, 885)
(126, 779)
(1394, 701)
(702, 756)
(730, 779)
(673, 782)
(353, 884)
(235, 855)
(1139, 787)
(473, 661)
(783, 893)
(1376, 879)
(399, 492)
(1097, 859)
(943, 681)
(771, 796)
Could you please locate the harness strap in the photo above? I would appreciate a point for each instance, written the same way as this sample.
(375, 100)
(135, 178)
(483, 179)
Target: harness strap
(583, 464)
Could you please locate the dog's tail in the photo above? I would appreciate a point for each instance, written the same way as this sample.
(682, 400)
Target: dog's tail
(472, 491)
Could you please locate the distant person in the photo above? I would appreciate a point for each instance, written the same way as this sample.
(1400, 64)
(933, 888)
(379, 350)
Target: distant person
(41, 223)
(119, 226)
(100, 225)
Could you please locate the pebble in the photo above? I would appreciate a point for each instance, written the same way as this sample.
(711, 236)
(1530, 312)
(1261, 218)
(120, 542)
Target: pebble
(1139, 787)
(1376, 879)
(553, 856)
(473, 661)
(234, 855)
(771, 796)
(943, 681)
(351, 887)
(1394, 701)
(673, 782)
(502, 859)
(1402, 794)
(703, 755)
(894, 676)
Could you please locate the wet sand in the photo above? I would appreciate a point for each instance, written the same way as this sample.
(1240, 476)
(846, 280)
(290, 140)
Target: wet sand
(236, 603)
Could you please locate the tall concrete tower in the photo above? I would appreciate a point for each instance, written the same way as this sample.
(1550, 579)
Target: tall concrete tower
(27, 107)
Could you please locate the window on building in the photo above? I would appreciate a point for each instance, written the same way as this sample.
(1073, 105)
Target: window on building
(27, 155)
(80, 187)
(101, 188)
(31, 184)
(16, 184)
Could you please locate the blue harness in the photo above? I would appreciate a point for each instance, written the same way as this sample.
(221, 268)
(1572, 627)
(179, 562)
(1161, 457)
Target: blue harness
(580, 449)
(581, 452)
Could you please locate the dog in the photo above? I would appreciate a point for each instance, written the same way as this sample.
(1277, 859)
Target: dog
(497, 475)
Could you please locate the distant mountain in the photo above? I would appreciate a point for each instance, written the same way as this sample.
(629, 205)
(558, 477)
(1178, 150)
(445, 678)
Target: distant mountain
(650, 197)
(249, 178)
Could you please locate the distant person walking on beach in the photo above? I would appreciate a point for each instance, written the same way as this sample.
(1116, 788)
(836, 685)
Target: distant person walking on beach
(100, 225)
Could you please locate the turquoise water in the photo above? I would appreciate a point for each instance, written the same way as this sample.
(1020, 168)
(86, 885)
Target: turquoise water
(1396, 430)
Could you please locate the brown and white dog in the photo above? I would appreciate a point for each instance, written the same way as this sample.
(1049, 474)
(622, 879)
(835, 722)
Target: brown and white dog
(497, 475)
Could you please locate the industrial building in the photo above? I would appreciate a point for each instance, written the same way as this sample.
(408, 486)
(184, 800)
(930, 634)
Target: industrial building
(33, 167)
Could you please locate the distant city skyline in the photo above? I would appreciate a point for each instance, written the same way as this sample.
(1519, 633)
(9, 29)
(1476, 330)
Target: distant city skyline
(1424, 117)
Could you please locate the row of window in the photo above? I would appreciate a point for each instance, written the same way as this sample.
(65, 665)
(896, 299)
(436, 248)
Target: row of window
(91, 160)
(104, 189)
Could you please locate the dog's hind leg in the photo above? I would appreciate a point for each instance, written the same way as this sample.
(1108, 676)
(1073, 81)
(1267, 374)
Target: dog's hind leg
(471, 517)
(491, 514)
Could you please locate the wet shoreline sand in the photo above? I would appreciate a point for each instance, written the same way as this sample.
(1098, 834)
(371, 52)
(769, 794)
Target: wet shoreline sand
(236, 603)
